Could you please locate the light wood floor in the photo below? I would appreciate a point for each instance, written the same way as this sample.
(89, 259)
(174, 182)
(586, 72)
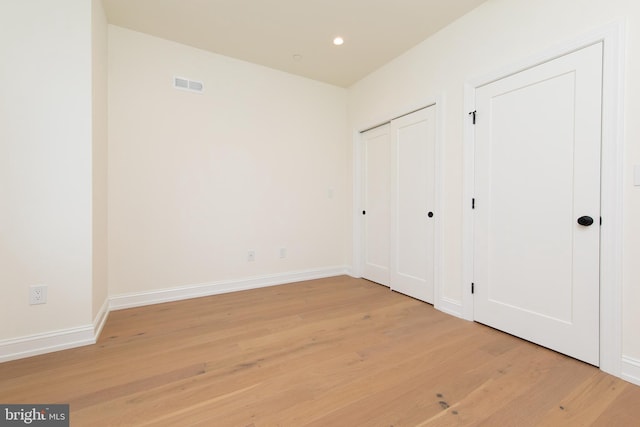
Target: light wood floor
(330, 352)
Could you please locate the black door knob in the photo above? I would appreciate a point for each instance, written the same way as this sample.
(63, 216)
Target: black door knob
(430, 214)
(364, 212)
(585, 220)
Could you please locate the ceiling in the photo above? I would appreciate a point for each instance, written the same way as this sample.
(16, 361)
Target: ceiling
(295, 35)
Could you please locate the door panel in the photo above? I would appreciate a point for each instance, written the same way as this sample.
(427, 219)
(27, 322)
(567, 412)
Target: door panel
(537, 170)
(412, 189)
(376, 195)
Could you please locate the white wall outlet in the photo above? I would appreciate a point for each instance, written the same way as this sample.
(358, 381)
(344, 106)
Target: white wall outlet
(37, 294)
(283, 252)
(251, 256)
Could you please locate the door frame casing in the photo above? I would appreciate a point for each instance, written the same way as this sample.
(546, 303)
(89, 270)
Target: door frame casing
(358, 231)
(612, 174)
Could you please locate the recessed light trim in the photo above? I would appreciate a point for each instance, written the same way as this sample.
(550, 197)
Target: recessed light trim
(338, 41)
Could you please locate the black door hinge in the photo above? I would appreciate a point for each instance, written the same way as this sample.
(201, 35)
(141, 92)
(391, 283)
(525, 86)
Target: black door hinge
(473, 288)
(473, 203)
(473, 116)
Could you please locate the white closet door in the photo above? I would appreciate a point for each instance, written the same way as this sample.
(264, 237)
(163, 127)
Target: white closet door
(537, 189)
(376, 215)
(413, 204)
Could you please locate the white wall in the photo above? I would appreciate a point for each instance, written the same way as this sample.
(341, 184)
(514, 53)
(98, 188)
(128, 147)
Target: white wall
(45, 165)
(497, 34)
(197, 180)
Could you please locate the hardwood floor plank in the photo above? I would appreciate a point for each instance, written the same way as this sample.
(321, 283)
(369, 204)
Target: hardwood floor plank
(329, 352)
(586, 403)
(529, 408)
(623, 411)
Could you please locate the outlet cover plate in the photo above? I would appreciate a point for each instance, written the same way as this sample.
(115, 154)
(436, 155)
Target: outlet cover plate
(37, 294)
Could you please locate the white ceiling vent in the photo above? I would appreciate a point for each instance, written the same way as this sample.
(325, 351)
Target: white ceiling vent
(186, 84)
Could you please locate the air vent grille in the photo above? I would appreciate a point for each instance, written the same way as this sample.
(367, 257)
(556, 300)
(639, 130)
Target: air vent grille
(197, 86)
(186, 84)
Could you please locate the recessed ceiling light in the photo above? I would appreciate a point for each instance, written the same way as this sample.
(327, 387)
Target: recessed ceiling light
(297, 57)
(338, 41)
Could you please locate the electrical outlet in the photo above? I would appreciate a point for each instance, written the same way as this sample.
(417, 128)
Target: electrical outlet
(251, 256)
(37, 294)
(283, 252)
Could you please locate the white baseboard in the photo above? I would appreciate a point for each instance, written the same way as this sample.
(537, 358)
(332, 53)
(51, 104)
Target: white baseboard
(34, 345)
(449, 306)
(630, 370)
(49, 342)
(119, 302)
(100, 319)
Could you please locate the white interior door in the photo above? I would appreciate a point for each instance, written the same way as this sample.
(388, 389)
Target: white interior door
(413, 204)
(537, 171)
(376, 215)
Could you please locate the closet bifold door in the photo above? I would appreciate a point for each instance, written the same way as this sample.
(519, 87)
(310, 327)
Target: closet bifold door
(375, 207)
(412, 207)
